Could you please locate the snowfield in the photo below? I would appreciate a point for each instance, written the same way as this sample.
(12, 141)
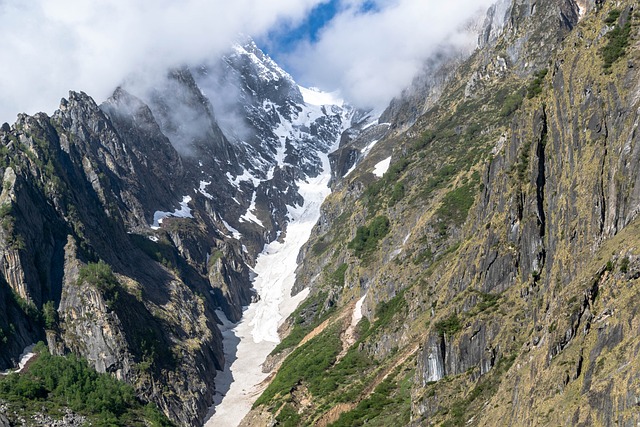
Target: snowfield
(248, 343)
(381, 168)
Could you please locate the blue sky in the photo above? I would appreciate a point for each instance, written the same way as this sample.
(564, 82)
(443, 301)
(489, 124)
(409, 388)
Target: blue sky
(282, 40)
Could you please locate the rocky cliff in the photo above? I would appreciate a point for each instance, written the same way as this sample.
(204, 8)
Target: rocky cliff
(495, 261)
(126, 225)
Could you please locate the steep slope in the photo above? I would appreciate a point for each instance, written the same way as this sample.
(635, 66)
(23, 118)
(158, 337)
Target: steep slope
(495, 260)
(126, 225)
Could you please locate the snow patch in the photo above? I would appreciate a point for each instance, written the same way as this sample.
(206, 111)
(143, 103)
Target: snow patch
(183, 212)
(406, 239)
(368, 148)
(350, 170)
(382, 167)
(203, 189)
(245, 177)
(357, 312)
(236, 234)
(249, 215)
(314, 96)
(26, 355)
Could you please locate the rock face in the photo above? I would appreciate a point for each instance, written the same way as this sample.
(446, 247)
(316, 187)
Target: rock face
(498, 256)
(137, 219)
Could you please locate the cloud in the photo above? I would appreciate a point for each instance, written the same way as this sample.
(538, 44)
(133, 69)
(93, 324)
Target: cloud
(371, 50)
(53, 46)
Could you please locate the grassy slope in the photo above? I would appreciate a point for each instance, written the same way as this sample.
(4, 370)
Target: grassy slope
(435, 180)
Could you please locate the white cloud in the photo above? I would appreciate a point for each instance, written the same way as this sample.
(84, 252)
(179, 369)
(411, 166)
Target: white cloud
(52, 46)
(372, 56)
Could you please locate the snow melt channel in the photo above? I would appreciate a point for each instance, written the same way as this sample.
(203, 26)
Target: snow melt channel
(248, 343)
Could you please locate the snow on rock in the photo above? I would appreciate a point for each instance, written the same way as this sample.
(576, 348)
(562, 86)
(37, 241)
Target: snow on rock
(382, 167)
(351, 169)
(26, 355)
(246, 176)
(236, 234)
(183, 212)
(357, 312)
(203, 189)
(249, 215)
(368, 148)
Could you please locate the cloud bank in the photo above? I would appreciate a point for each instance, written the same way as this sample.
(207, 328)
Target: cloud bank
(370, 50)
(373, 48)
(53, 46)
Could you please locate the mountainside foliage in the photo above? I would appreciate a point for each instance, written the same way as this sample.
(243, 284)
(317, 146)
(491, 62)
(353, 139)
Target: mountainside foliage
(68, 383)
(498, 288)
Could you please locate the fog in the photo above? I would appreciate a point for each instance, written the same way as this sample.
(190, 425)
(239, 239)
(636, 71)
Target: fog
(369, 51)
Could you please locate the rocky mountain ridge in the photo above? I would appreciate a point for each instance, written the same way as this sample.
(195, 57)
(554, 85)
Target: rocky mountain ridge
(126, 225)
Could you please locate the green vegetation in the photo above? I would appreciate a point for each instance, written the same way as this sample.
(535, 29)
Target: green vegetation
(367, 237)
(337, 278)
(624, 265)
(613, 16)
(215, 256)
(461, 410)
(100, 275)
(386, 310)
(390, 403)
(456, 204)
(8, 222)
(304, 321)
(50, 315)
(389, 177)
(522, 166)
(307, 363)
(449, 326)
(487, 301)
(511, 104)
(288, 416)
(54, 383)
(617, 41)
(438, 179)
(349, 372)
(535, 87)
(160, 251)
(397, 193)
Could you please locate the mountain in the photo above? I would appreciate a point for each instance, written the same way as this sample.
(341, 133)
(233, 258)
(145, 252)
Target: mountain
(475, 264)
(126, 225)
(480, 265)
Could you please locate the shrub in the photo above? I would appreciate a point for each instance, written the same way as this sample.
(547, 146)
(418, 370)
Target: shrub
(98, 274)
(618, 41)
(456, 204)
(367, 237)
(535, 87)
(624, 265)
(449, 326)
(613, 16)
(49, 315)
(511, 104)
(55, 382)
